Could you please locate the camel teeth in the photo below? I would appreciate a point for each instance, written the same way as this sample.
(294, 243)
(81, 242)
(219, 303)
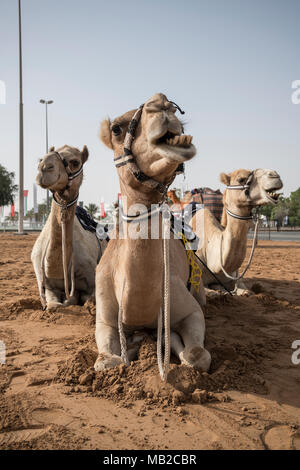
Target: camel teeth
(183, 140)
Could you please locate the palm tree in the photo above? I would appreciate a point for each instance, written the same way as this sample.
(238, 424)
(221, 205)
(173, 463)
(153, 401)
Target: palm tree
(92, 209)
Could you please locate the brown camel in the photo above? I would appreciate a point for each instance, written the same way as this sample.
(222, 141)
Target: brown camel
(244, 191)
(179, 204)
(61, 172)
(129, 277)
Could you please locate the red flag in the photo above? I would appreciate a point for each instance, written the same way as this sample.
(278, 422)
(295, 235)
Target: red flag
(12, 210)
(102, 210)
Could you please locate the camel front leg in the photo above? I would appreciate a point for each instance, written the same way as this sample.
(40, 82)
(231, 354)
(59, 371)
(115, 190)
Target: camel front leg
(108, 342)
(188, 343)
(53, 297)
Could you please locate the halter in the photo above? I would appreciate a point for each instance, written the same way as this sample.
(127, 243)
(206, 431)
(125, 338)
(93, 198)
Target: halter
(245, 188)
(66, 205)
(128, 159)
(242, 187)
(71, 177)
(140, 217)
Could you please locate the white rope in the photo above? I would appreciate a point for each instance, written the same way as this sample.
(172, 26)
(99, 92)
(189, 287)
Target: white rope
(122, 336)
(164, 317)
(43, 283)
(237, 278)
(64, 257)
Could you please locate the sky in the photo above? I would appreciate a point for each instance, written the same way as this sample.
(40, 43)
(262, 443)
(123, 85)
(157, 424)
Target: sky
(229, 64)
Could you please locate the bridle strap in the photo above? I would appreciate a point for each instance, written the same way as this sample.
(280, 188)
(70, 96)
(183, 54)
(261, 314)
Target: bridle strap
(128, 159)
(245, 186)
(242, 187)
(67, 204)
(140, 217)
(71, 176)
(239, 217)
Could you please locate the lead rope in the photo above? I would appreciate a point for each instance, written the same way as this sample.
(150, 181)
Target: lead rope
(164, 316)
(122, 336)
(63, 213)
(237, 278)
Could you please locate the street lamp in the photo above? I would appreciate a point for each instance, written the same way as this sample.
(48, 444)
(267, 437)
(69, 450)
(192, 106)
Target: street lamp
(21, 146)
(45, 102)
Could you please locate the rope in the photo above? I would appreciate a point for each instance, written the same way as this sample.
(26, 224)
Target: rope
(164, 317)
(237, 278)
(122, 336)
(43, 283)
(64, 256)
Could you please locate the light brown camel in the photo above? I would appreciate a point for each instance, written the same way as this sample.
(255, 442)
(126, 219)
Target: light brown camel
(244, 191)
(129, 277)
(61, 172)
(179, 204)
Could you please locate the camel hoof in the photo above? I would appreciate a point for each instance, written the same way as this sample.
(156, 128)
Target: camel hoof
(107, 361)
(71, 301)
(197, 357)
(243, 292)
(53, 306)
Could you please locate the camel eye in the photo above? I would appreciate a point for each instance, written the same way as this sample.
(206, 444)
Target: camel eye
(75, 163)
(242, 180)
(116, 129)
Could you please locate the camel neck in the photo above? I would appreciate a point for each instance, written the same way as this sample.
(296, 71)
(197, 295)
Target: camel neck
(235, 237)
(142, 259)
(132, 196)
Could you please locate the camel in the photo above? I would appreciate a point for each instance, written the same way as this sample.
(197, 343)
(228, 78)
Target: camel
(179, 204)
(148, 146)
(244, 191)
(61, 172)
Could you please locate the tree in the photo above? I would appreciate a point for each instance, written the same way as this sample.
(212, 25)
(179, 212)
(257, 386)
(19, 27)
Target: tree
(266, 210)
(92, 209)
(7, 186)
(294, 205)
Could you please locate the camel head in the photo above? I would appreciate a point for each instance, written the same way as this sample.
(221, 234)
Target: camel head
(159, 144)
(247, 188)
(57, 170)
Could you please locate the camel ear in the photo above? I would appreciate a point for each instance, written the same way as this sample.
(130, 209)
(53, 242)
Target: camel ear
(84, 154)
(105, 133)
(52, 149)
(225, 179)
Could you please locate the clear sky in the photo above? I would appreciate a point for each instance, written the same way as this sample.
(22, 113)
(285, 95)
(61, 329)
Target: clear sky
(228, 63)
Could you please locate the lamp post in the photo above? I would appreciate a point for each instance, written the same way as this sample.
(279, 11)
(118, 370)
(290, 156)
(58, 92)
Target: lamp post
(45, 102)
(21, 141)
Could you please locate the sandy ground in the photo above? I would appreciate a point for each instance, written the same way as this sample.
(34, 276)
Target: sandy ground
(50, 397)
